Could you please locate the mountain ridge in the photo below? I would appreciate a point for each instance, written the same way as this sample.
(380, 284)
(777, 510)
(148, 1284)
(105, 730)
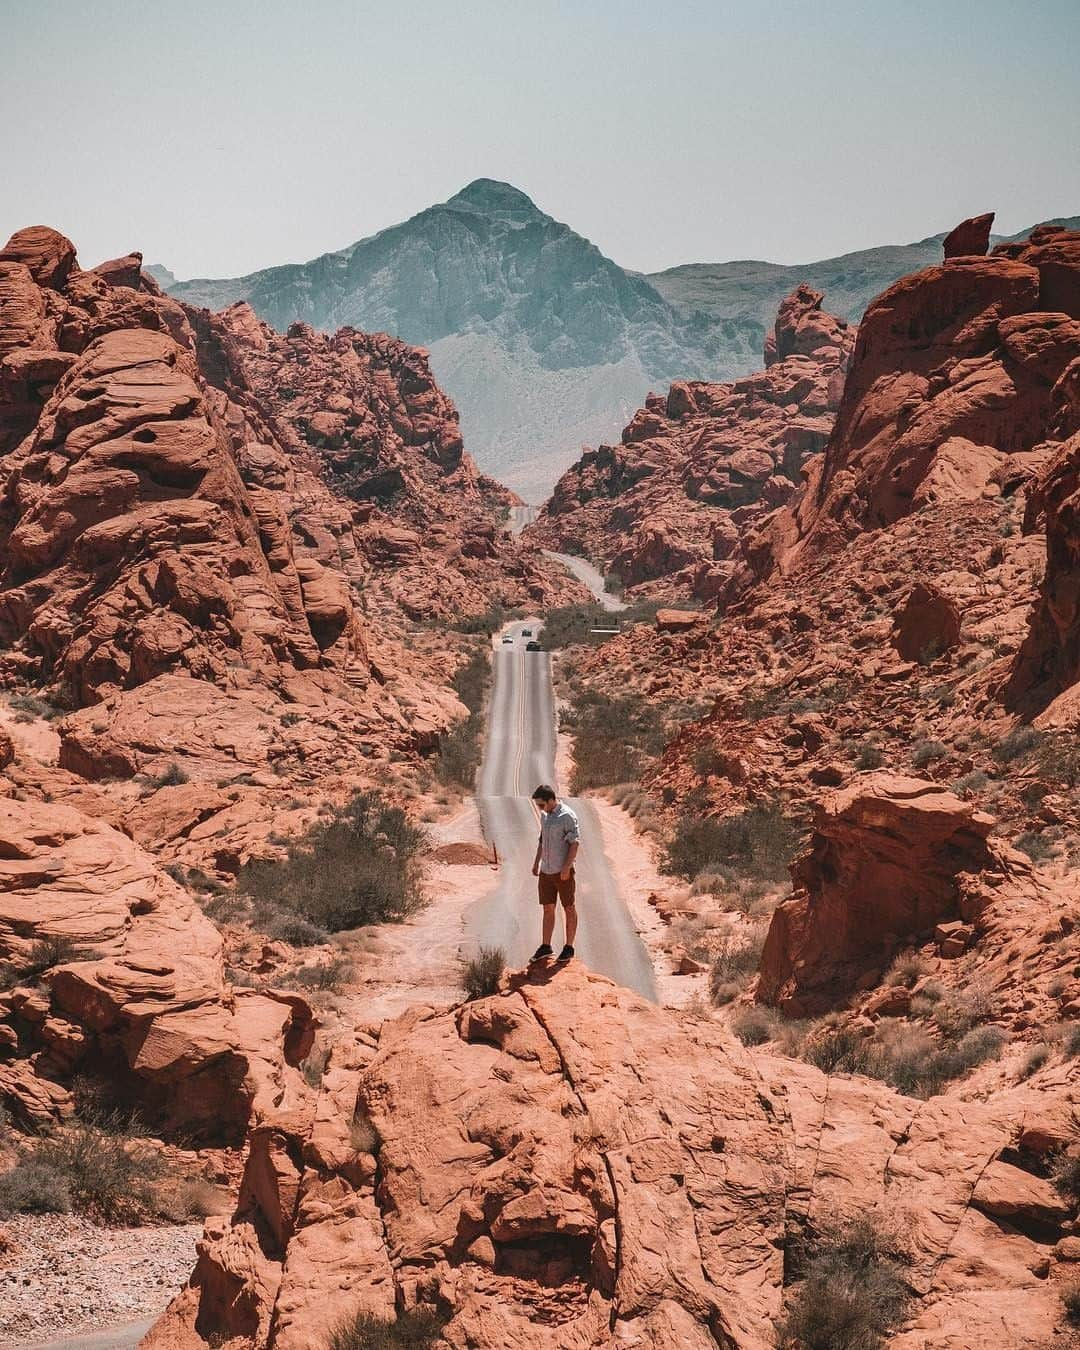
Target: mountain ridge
(543, 341)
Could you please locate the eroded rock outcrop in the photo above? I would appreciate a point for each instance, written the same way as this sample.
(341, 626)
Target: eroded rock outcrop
(565, 1164)
(975, 349)
(889, 859)
(697, 468)
(136, 993)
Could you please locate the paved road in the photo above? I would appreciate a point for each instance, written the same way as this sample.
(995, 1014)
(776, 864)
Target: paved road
(520, 753)
(587, 573)
(520, 516)
(118, 1338)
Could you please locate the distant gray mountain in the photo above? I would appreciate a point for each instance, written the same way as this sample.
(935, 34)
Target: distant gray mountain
(749, 292)
(542, 341)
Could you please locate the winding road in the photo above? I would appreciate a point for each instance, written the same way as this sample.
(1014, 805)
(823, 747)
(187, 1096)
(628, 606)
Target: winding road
(520, 753)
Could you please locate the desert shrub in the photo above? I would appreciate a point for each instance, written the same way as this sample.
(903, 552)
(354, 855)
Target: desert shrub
(43, 955)
(1066, 1176)
(570, 625)
(852, 1291)
(363, 1136)
(314, 1066)
(35, 706)
(1020, 741)
(193, 1198)
(459, 750)
(943, 696)
(869, 757)
(356, 866)
(1072, 1041)
(99, 1172)
(33, 1187)
(906, 1057)
(172, 776)
(1058, 759)
(326, 975)
(757, 842)
(707, 759)
(298, 932)
(1035, 1059)
(613, 584)
(956, 1011)
(416, 1330)
(614, 738)
(839, 1051)
(971, 782)
(489, 622)
(754, 1026)
(736, 960)
(908, 969)
(1070, 1304)
(1035, 845)
(480, 974)
(926, 753)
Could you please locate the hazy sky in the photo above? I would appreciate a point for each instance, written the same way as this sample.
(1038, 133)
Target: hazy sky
(224, 137)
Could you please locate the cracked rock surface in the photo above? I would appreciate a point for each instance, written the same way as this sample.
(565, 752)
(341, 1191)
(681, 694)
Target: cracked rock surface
(564, 1164)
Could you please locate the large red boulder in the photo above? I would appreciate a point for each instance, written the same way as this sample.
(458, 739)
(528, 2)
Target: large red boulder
(971, 238)
(927, 624)
(885, 866)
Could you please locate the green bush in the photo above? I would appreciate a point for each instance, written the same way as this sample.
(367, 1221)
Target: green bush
(926, 752)
(1070, 1304)
(172, 776)
(43, 955)
(615, 738)
(905, 1056)
(459, 750)
(736, 960)
(852, 1291)
(356, 866)
(296, 931)
(1020, 741)
(869, 757)
(97, 1171)
(754, 1026)
(1035, 845)
(1058, 759)
(758, 842)
(36, 707)
(328, 975)
(416, 1330)
(480, 974)
(34, 1187)
(1066, 1176)
(1072, 1042)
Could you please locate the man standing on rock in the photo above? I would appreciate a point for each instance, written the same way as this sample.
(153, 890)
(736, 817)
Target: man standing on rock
(553, 866)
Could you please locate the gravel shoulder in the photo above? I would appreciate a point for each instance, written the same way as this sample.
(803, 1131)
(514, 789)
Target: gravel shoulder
(62, 1275)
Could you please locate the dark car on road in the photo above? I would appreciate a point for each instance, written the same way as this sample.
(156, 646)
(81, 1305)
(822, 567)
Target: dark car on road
(533, 647)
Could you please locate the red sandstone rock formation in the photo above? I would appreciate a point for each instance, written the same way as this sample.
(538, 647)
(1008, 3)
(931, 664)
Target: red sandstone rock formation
(566, 1164)
(971, 238)
(139, 997)
(974, 351)
(709, 461)
(889, 859)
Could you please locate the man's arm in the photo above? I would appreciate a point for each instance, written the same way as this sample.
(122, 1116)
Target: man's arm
(536, 860)
(571, 854)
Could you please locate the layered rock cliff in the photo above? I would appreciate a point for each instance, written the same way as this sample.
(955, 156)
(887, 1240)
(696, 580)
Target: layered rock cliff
(697, 468)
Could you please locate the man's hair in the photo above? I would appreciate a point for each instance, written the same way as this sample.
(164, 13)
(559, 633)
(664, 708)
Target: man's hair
(544, 793)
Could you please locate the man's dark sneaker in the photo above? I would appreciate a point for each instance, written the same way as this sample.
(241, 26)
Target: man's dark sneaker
(542, 952)
(567, 953)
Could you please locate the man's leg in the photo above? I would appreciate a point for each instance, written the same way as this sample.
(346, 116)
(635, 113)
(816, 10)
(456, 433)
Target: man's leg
(570, 915)
(548, 926)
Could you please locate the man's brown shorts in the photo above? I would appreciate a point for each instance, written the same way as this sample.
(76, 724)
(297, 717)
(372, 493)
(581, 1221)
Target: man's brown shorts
(552, 888)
